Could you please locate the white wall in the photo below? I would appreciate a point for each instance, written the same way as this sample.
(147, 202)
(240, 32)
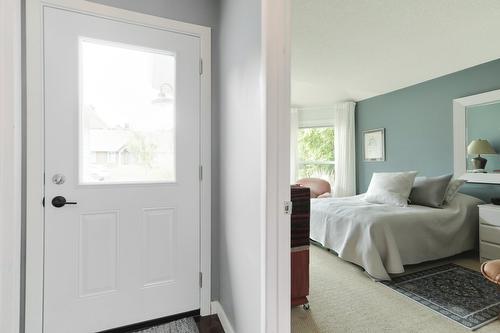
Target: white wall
(313, 117)
(10, 164)
(241, 164)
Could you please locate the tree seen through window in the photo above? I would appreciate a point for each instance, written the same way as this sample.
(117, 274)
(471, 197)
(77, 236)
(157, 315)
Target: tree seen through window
(315, 153)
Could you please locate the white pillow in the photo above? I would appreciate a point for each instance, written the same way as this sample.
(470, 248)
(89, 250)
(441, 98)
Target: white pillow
(392, 188)
(452, 189)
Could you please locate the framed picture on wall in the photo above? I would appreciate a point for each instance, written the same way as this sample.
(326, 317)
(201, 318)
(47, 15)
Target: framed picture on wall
(374, 145)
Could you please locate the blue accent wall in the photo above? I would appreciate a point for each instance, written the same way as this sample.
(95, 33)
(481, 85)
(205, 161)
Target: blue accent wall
(418, 122)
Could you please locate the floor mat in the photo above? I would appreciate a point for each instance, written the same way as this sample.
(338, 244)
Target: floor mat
(458, 293)
(185, 325)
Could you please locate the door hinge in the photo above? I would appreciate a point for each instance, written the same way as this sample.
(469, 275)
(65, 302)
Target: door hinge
(201, 172)
(201, 279)
(201, 66)
(287, 207)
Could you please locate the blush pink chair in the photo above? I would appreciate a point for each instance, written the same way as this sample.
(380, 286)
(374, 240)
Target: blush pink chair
(319, 187)
(491, 271)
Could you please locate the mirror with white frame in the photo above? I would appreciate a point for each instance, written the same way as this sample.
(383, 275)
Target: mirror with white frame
(476, 127)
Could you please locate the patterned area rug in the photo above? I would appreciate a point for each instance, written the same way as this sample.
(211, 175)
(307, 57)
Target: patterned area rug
(458, 293)
(185, 325)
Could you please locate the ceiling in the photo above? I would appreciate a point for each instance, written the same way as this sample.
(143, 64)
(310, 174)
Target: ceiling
(355, 49)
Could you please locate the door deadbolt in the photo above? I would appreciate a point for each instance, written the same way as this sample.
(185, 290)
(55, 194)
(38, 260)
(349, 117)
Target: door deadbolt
(58, 179)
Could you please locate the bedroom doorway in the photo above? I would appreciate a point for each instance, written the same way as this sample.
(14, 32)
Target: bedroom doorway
(369, 240)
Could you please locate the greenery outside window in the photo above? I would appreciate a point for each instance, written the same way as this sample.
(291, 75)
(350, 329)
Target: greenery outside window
(315, 153)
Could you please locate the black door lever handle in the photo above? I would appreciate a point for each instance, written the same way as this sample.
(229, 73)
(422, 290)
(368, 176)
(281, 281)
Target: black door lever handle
(60, 201)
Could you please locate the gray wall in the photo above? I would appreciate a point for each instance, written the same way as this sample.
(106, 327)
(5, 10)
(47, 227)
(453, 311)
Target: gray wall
(241, 140)
(201, 12)
(419, 125)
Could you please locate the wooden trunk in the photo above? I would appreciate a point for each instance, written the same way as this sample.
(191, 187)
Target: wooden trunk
(300, 244)
(300, 276)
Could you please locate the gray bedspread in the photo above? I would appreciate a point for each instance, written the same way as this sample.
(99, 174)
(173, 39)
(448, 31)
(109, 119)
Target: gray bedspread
(383, 238)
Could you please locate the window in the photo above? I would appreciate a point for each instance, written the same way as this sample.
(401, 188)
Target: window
(127, 111)
(315, 153)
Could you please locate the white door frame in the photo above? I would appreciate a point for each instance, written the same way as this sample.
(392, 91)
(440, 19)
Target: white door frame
(10, 164)
(276, 51)
(35, 143)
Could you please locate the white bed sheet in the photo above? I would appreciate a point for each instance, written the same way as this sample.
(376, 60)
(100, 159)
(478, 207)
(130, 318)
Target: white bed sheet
(382, 238)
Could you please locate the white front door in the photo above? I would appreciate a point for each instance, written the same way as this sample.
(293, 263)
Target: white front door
(122, 147)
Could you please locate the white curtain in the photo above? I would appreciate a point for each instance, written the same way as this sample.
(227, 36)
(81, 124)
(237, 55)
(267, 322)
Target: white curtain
(345, 150)
(294, 131)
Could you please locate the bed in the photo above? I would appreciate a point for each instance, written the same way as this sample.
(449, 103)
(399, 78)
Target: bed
(382, 238)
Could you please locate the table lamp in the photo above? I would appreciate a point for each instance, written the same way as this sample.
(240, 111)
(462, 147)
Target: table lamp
(479, 147)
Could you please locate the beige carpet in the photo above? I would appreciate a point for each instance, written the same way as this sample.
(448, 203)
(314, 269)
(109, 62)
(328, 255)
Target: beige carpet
(344, 299)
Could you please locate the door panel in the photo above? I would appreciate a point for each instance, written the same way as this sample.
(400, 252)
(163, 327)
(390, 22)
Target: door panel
(122, 141)
(98, 253)
(159, 246)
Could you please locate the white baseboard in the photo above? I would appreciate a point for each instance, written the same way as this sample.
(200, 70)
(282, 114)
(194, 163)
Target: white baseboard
(216, 308)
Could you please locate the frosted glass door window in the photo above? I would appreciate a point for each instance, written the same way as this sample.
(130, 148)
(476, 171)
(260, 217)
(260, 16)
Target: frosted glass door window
(127, 114)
